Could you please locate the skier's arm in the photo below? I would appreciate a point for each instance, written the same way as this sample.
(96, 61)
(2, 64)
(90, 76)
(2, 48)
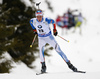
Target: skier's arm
(34, 29)
(54, 30)
(51, 21)
(54, 25)
(74, 10)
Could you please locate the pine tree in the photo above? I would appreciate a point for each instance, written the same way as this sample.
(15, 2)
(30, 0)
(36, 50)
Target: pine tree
(5, 64)
(22, 35)
(16, 34)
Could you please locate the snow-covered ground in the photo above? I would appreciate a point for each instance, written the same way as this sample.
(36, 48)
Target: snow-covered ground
(82, 50)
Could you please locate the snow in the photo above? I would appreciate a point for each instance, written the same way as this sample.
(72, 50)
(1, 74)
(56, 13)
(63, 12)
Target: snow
(0, 1)
(27, 2)
(82, 50)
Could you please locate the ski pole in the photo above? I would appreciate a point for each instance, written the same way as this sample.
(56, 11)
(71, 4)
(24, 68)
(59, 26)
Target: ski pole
(63, 38)
(33, 40)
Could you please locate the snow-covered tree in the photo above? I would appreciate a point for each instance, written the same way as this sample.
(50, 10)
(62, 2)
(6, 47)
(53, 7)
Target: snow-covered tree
(16, 33)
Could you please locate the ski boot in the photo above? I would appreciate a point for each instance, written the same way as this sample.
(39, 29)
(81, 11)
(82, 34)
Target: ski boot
(71, 67)
(43, 68)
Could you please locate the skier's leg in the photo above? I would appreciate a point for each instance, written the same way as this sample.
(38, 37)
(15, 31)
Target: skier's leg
(60, 52)
(54, 44)
(77, 23)
(80, 27)
(41, 49)
(57, 48)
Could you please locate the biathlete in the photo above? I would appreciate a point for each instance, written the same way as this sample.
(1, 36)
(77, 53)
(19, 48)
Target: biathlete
(40, 26)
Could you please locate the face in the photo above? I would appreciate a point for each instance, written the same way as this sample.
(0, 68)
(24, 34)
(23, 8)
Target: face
(39, 18)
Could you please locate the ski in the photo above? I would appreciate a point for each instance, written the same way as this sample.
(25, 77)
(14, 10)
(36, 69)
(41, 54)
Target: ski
(41, 73)
(80, 71)
(74, 71)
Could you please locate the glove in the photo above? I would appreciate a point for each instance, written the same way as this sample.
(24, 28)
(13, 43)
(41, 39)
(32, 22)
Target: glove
(35, 32)
(55, 32)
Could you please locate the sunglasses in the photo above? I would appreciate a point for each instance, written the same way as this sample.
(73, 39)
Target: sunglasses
(38, 11)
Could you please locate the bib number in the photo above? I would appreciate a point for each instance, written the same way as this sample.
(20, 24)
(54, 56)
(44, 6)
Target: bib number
(40, 30)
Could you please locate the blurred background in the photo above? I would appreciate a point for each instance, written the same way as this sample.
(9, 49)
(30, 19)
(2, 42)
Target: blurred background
(76, 20)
